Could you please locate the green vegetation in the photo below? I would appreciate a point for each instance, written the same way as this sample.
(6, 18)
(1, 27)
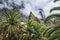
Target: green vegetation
(56, 0)
(13, 27)
(55, 8)
(53, 19)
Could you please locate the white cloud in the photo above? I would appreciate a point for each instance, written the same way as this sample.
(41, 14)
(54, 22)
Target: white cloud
(1, 6)
(50, 6)
(34, 6)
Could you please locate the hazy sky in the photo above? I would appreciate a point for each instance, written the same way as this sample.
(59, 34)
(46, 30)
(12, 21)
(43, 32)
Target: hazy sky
(50, 6)
(33, 5)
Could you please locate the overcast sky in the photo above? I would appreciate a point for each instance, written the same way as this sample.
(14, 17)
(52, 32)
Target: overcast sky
(34, 6)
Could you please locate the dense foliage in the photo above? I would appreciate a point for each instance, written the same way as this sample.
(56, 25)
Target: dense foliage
(13, 27)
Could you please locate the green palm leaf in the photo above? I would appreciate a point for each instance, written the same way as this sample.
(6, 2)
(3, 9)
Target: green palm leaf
(51, 33)
(56, 0)
(55, 8)
(54, 19)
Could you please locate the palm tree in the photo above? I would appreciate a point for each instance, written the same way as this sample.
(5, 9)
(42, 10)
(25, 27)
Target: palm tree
(10, 25)
(52, 19)
(53, 22)
(34, 28)
(51, 33)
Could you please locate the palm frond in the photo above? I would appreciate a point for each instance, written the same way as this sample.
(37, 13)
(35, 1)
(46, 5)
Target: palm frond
(52, 19)
(52, 33)
(56, 0)
(55, 8)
